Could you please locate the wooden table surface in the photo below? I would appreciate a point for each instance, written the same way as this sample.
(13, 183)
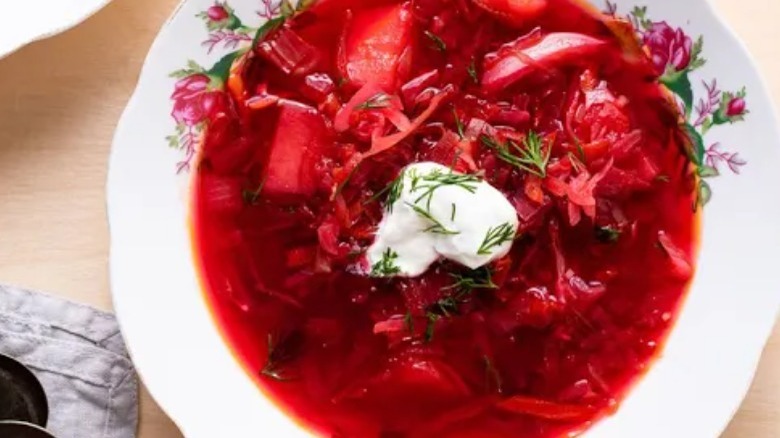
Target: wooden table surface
(60, 100)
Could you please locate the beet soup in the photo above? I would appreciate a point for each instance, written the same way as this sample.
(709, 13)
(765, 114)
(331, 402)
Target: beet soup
(550, 104)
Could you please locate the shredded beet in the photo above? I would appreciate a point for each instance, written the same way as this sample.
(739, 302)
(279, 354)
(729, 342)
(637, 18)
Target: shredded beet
(546, 100)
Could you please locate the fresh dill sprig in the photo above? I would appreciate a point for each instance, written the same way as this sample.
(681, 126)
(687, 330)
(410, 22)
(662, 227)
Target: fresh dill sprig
(428, 184)
(252, 196)
(430, 327)
(472, 70)
(409, 322)
(459, 125)
(379, 100)
(481, 278)
(532, 156)
(461, 292)
(436, 226)
(393, 191)
(346, 181)
(438, 43)
(386, 266)
(493, 380)
(437, 179)
(495, 237)
(608, 234)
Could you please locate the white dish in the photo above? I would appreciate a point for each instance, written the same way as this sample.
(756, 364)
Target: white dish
(48, 17)
(692, 391)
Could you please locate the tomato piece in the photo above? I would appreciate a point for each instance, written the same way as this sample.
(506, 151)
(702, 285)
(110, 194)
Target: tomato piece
(300, 139)
(513, 61)
(375, 44)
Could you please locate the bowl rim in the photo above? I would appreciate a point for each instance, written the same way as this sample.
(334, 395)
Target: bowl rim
(42, 34)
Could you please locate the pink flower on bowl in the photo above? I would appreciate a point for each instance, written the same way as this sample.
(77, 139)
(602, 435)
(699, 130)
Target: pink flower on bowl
(670, 48)
(217, 13)
(194, 101)
(737, 107)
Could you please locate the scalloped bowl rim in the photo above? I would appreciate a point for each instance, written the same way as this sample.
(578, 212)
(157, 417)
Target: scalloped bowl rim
(31, 34)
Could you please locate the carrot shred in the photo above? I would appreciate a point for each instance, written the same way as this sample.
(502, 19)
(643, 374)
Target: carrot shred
(381, 144)
(366, 92)
(235, 83)
(533, 189)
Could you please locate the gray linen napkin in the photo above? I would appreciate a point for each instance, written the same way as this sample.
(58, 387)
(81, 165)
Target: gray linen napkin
(78, 354)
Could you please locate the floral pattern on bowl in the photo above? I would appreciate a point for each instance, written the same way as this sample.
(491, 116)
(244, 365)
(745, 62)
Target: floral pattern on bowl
(199, 91)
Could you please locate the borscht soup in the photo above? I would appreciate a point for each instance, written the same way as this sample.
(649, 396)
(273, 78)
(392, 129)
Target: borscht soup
(445, 218)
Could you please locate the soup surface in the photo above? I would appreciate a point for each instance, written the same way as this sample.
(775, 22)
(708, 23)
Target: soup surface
(549, 102)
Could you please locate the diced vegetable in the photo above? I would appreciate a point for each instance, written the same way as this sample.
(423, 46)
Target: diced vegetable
(300, 139)
(317, 87)
(289, 52)
(375, 42)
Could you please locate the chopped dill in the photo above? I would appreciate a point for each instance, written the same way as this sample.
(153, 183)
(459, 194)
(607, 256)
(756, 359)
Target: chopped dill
(379, 100)
(532, 157)
(436, 226)
(495, 237)
(438, 43)
(386, 266)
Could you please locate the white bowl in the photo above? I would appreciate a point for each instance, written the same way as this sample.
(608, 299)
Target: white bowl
(692, 391)
(26, 21)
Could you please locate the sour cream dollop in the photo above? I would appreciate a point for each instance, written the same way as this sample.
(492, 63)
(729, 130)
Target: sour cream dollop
(433, 212)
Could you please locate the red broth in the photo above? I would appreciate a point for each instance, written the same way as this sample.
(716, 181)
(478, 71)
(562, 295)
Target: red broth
(321, 116)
